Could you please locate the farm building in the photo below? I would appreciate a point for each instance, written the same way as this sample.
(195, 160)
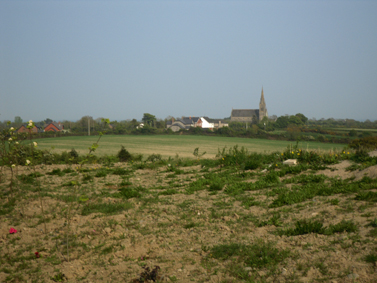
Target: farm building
(34, 130)
(250, 115)
(202, 122)
(54, 127)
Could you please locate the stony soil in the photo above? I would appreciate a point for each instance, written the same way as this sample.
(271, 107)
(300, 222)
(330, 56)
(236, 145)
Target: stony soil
(174, 232)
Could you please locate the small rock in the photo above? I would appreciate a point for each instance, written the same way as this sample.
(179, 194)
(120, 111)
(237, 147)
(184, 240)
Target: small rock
(262, 273)
(248, 268)
(107, 230)
(290, 162)
(225, 228)
(353, 276)
(179, 270)
(284, 271)
(314, 213)
(226, 218)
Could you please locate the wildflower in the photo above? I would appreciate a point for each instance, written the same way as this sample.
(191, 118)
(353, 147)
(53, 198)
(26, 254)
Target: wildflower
(292, 152)
(298, 153)
(10, 139)
(12, 129)
(16, 142)
(37, 254)
(27, 161)
(282, 153)
(348, 153)
(12, 231)
(13, 165)
(30, 121)
(276, 165)
(35, 144)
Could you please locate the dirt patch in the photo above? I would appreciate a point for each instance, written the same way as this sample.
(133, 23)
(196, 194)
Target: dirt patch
(174, 223)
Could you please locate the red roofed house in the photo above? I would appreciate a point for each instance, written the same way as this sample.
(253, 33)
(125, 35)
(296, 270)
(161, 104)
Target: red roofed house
(54, 127)
(24, 129)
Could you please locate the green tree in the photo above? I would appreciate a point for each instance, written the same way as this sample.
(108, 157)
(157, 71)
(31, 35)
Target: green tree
(148, 119)
(302, 117)
(295, 120)
(17, 121)
(282, 122)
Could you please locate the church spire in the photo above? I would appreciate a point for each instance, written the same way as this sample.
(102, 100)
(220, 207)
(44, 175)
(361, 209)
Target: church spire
(262, 99)
(262, 107)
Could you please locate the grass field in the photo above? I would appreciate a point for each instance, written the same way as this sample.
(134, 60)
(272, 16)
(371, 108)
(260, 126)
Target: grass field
(171, 145)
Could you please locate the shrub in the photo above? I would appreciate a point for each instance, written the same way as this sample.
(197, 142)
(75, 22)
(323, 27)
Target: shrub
(124, 155)
(369, 143)
(73, 153)
(154, 157)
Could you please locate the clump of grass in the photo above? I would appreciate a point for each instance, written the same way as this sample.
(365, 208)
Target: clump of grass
(191, 225)
(101, 173)
(371, 258)
(168, 192)
(30, 178)
(57, 172)
(372, 223)
(367, 196)
(121, 171)
(307, 226)
(129, 193)
(216, 186)
(343, 226)
(258, 255)
(303, 227)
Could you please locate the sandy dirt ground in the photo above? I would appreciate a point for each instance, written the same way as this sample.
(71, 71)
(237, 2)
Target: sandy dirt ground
(174, 231)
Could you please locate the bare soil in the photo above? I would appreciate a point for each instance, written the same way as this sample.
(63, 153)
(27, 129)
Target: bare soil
(115, 248)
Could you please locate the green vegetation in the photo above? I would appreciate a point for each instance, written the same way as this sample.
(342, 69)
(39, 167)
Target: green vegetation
(169, 145)
(244, 215)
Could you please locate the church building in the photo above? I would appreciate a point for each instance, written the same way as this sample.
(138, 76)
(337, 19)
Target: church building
(250, 115)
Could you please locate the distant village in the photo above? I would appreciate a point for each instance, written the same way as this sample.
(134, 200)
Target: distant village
(177, 124)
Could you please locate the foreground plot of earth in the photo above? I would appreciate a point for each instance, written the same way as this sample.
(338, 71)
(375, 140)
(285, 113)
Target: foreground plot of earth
(109, 224)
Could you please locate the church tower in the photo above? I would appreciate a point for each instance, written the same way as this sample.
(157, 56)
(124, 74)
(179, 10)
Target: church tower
(262, 107)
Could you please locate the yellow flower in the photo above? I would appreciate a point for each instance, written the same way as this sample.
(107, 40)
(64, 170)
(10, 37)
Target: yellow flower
(27, 161)
(13, 165)
(282, 153)
(10, 139)
(35, 144)
(292, 152)
(298, 153)
(348, 153)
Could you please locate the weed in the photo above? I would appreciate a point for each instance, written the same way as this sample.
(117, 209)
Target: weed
(371, 258)
(123, 155)
(303, 227)
(372, 223)
(258, 255)
(57, 172)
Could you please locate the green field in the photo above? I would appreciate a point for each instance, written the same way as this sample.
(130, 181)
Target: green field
(167, 145)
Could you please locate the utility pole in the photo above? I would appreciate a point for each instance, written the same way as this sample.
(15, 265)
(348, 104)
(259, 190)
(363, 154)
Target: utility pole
(88, 126)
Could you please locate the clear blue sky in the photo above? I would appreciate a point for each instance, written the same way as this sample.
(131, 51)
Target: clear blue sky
(119, 59)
